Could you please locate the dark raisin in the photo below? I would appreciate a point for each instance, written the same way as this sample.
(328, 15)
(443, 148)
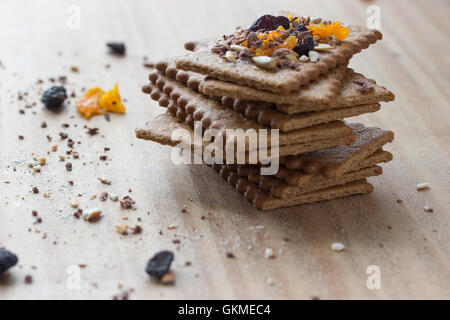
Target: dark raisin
(304, 46)
(54, 97)
(159, 265)
(301, 28)
(283, 21)
(117, 48)
(7, 260)
(269, 22)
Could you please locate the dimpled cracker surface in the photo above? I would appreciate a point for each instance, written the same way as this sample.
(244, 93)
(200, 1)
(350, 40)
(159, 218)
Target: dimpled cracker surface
(300, 178)
(323, 94)
(280, 189)
(333, 162)
(214, 115)
(263, 201)
(161, 127)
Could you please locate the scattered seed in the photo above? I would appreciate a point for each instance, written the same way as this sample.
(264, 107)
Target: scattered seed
(168, 278)
(74, 203)
(269, 254)
(313, 56)
(121, 228)
(90, 214)
(103, 196)
(28, 279)
(265, 62)
(105, 180)
(337, 246)
(423, 186)
(127, 202)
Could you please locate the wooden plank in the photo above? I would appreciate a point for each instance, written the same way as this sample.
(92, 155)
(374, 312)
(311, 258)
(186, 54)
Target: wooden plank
(410, 246)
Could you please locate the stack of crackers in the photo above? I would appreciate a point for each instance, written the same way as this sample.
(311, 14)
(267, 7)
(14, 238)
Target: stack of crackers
(290, 75)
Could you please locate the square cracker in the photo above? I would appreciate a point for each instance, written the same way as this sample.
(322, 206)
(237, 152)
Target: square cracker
(319, 95)
(334, 162)
(355, 90)
(321, 92)
(280, 189)
(212, 114)
(202, 60)
(263, 201)
(299, 178)
(267, 115)
(161, 127)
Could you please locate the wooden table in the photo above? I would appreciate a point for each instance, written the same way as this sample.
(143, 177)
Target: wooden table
(38, 41)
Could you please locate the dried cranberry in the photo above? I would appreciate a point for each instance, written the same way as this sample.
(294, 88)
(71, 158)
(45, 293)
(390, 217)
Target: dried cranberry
(159, 265)
(269, 22)
(54, 97)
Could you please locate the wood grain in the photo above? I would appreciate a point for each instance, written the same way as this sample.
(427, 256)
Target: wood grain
(410, 246)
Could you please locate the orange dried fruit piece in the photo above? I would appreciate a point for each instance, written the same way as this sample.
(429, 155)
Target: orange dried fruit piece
(95, 101)
(88, 105)
(111, 101)
(335, 29)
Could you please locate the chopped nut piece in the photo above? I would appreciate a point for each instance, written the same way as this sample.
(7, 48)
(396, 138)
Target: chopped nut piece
(61, 158)
(322, 47)
(89, 214)
(237, 48)
(127, 202)
(37, 168)
(33, 163)
(265, 62)
(103, 196)
(168, 278)
(423, 186)
(269, 254)
(121, 228)
(54, 148)
(105, 180)
(114, 197)
(313, 56)
(74, 203)
(337, 246)
(42, 161)
(230, 56)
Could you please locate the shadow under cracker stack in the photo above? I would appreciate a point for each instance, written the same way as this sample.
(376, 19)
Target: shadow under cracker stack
(283, 72)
